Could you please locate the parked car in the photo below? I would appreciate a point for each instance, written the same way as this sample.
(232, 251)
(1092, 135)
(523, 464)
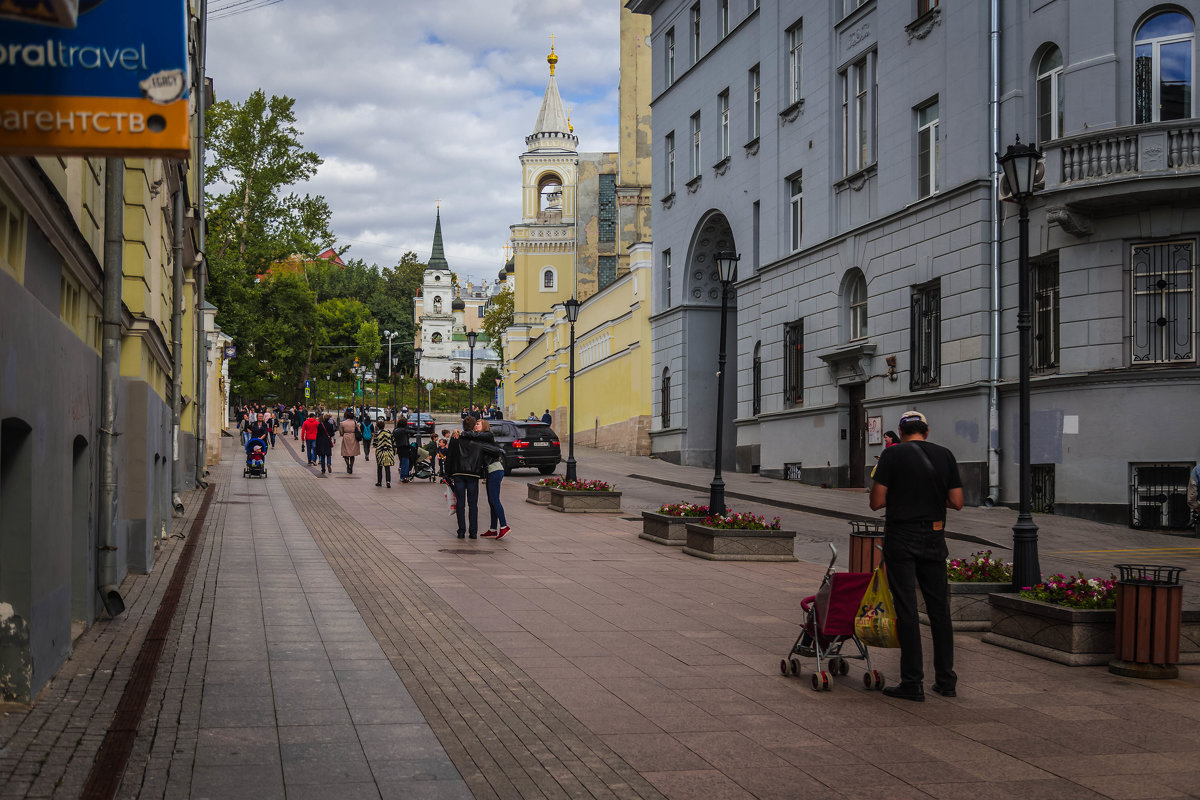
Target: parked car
(532, 445)
(376, 413)
(427, 425)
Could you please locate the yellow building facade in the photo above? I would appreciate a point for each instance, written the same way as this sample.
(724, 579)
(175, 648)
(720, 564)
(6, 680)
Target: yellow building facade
(585, 233)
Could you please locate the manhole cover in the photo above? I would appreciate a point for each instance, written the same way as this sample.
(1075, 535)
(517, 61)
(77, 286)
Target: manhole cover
(464, 551)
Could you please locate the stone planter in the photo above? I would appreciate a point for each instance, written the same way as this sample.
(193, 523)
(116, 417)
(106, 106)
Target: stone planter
(969, 607)
(664, 528)
(717, 544)
(538, 495)
(1071, 636)
(584, 502)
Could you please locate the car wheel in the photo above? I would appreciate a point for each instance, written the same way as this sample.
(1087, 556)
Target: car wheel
(547, 469)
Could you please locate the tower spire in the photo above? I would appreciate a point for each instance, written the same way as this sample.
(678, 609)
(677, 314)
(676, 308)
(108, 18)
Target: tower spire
(437, 256)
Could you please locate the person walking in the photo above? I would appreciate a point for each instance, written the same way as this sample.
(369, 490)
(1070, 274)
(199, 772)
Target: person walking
(308, 430)
(464, 462)
(351, 432)
(400, 438)
(368, 431)
(493, 474)
(385, 454)
(546, 417)
(259, 429)
(915, 482)
(323, 443)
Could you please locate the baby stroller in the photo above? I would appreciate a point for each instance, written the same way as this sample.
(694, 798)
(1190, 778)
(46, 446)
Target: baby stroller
(256, 459)
(829, 624)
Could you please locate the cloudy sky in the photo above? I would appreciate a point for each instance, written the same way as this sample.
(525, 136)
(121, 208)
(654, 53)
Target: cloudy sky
(414, 101)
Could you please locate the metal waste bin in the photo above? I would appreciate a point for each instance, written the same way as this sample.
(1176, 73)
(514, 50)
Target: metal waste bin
(1149, 611)
(864, 536)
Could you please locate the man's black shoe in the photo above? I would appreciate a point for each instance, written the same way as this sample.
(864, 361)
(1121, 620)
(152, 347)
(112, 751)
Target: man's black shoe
(943, 691)
(905, 693)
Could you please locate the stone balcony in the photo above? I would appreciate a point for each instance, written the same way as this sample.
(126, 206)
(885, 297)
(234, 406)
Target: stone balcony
(1153, 156)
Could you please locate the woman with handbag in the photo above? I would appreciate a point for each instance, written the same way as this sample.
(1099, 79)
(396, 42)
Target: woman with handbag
(351, 434)
(323, 447)
(385, 454)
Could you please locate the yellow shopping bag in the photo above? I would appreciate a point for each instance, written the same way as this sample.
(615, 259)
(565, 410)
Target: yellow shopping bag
(875, 622)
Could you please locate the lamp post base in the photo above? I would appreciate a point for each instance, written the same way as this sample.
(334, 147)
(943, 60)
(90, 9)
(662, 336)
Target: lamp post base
(716, 496)
(1026, 569)
(571, 469)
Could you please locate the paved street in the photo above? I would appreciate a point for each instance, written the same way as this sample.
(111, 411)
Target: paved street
(334, 639)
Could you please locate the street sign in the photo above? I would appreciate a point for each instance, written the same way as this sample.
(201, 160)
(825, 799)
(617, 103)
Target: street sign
(230, 351)
(115, 84)
(429, 387)
(307, 393)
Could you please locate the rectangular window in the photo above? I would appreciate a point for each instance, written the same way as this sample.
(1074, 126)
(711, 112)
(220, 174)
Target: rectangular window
(925, 349)
(480, 309)
(1158, 496)
(756, 225)
(1162, 302)
(795, 210)
(1050, 104)
(723, 111)
(724, 18)
(795, 43)
(606, 213)
(755, 101)
(670, 146)
(666, 262)
(695, 33)
(606, 270)
(925, 6)
(858, 115)
(849, 6)
(670, 49)
(927, 149)
(695, 165)
(793, 364)
(1045, 315)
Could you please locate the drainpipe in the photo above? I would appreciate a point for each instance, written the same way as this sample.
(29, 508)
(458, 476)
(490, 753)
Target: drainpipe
(177, 355)
(201, 262)
(110, 380)
(993, 495)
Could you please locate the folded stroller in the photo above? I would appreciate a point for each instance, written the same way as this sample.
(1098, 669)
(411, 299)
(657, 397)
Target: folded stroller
(828, 625)
(256, 459)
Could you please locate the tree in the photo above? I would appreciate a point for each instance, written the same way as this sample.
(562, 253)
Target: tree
(338, 324)
(367, 344)
(486, 384)
(497, 319)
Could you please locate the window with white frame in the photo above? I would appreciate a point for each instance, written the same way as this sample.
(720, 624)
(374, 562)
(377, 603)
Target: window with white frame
(1050, 95)
(925, 6)
(858, 114)
(849, 6)
(1163, 279)
(695, 165)
(666, 262)
(1162, 68)
(695, 33)
(670, 147)
(549, 279)
(795, 45)
(856, 305)
(795, 210)
(723, 112)
(755, 101)
(670, 51)
(724, 18)
(927, 149)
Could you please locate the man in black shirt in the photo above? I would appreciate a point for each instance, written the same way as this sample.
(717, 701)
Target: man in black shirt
(916, 481)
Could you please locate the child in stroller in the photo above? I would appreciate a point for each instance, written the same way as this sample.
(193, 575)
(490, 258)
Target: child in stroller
(256, 459)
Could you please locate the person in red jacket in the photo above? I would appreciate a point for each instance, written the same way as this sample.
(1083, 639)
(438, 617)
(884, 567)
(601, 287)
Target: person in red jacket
(308, 430)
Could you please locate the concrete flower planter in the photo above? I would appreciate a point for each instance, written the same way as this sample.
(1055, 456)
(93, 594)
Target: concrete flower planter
(718, 544)
(1072, 636)
(584, 502)
(664, 528)
(538, 495)
(969, 607)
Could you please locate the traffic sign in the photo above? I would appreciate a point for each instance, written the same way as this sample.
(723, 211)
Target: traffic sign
(307, 393)
(429, 387)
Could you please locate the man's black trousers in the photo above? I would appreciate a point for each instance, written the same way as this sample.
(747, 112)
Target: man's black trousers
(916, 556)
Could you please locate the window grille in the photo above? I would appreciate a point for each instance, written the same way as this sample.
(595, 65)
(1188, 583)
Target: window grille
(1045, 316)
(664, 397)
(793, 348)
(606, 270)
(548, 279)
(1162, 302)
(926, 334)
(756, 381)
(1042, 478)
(607, 213)
(1158, 496)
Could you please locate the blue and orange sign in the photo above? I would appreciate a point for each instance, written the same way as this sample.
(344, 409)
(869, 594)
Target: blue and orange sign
(115, 84)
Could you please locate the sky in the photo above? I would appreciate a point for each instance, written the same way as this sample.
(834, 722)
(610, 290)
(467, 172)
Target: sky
(412, 102)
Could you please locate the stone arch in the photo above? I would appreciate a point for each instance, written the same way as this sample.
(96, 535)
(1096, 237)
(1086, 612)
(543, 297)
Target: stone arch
(712, 235)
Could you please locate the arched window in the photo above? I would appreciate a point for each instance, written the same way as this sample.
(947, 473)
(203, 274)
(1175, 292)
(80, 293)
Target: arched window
(756, 379)
(549, 279)
(550, 193)
(1050, 95)
(664, 397)
(1162, 68)
(437, 304)
(856, 306)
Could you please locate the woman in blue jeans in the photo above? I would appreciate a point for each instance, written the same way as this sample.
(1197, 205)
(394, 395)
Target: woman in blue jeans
(495, 474)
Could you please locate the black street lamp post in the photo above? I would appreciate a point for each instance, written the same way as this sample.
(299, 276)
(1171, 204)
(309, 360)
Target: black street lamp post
(417, 363)
(328, 388)
(341, 408)
(727, 267)
(572, 315)
(392, 376)
(376, 403)
(1020, 165)
(472, 337)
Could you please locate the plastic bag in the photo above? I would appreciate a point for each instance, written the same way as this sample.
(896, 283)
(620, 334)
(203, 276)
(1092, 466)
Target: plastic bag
(450, 499)
(875, 622)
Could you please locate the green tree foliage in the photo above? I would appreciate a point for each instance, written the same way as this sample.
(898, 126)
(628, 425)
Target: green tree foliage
(278, 344)
(366, 341)
(485, 384)
(497, 319)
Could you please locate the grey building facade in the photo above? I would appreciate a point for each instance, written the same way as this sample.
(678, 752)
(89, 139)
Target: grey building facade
(846, 149)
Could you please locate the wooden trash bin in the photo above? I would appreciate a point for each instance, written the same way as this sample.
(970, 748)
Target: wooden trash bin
(864, 536)
(1149, 612)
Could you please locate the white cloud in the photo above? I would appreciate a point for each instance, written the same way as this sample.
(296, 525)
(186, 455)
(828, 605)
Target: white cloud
(414, 102)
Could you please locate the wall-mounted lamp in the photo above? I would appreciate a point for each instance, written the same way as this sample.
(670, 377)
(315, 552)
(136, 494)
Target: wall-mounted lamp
(891, 365)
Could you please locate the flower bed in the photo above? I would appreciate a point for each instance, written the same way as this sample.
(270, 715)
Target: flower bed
(972, 579)
(556, 482)
(1069, 635)
(581, 497)
(979, 567)
(1074, 591)
(668, 525)
(739, 537)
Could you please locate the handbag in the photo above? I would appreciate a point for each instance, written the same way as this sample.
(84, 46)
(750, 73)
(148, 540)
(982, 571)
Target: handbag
(357, 432)
(875, 622)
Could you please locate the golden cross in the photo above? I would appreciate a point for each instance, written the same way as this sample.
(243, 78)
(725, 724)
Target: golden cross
(552, 41)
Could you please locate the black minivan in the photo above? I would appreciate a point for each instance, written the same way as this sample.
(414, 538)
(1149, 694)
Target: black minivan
(527, 445)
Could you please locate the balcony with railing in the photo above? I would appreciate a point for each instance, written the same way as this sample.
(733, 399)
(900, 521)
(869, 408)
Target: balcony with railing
(1154, 151)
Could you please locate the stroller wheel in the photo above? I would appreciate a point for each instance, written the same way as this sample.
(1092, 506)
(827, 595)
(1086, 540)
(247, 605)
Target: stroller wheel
(783, 667)
(820, 681)
(878, 678)
(795, 665)
(843, 666)
(867, 680)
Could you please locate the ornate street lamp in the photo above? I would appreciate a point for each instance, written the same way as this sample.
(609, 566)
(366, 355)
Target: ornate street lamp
(472, 337)
(417, 363)
(727, 262)
(376, 403)
(572, 306)
(1020, 167)
(328, 380)
(339, 393)
(392, 377)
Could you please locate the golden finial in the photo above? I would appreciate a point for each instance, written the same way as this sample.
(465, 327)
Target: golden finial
(552, 59)
(570, 127)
